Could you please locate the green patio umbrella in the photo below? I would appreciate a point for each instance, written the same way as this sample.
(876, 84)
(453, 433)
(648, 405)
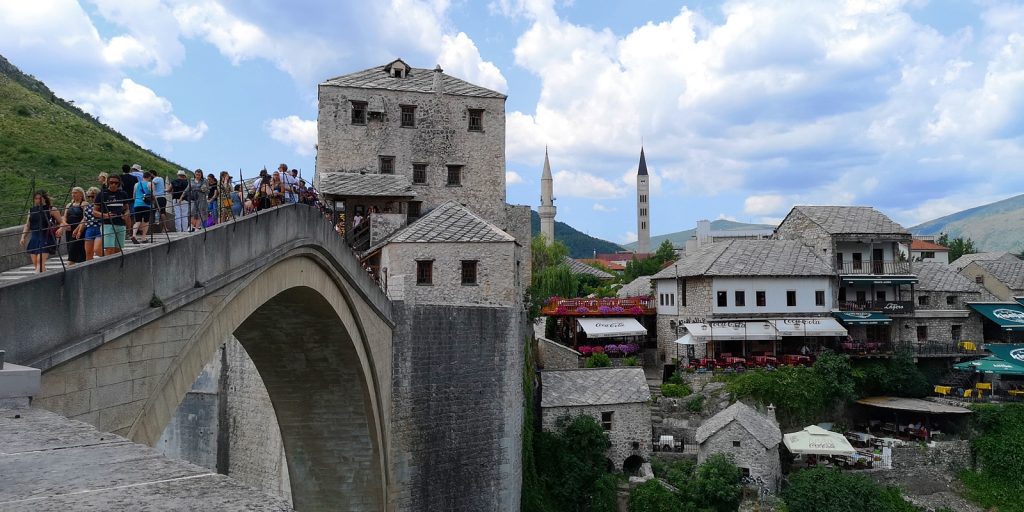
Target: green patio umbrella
(990, 364)
(1009, 353)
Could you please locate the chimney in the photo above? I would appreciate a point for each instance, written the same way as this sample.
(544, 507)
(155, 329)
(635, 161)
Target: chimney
(438, 80)
(771, 413)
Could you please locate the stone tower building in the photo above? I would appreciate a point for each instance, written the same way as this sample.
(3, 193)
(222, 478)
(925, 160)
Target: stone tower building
(547, 202)
(643, 195)
(419, 157)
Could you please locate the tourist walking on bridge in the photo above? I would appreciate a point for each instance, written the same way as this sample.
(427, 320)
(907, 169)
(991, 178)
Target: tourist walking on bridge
(180, 199)
(224, 191)
(74, 217)
(111, 208)
(199, 204)
(36, 235)
(90, 228)
(144, 203)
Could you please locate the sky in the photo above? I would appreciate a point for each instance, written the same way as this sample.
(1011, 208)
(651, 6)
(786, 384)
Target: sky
(744, 108)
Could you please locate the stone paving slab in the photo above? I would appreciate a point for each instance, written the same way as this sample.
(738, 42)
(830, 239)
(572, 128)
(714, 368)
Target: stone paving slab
(49, 462)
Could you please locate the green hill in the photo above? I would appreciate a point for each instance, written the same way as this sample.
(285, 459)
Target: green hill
(997, 226)
(48, 139)
(581, 245)
(679, 238)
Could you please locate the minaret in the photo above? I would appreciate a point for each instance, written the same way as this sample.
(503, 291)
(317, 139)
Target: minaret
(643, 197)
(547, 203)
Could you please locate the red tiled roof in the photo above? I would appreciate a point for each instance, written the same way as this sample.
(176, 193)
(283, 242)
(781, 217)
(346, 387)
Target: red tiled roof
(921, 245)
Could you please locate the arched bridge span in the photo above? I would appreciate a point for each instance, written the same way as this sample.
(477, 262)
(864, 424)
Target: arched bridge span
(121, 339)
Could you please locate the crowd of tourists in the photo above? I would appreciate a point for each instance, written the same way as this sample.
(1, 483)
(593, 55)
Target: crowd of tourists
(123, 206)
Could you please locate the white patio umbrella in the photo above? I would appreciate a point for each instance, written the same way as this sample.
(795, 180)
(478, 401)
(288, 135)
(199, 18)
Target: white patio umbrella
(815, 440)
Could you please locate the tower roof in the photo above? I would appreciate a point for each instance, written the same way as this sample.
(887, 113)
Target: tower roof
(547, 166)
(642, 171)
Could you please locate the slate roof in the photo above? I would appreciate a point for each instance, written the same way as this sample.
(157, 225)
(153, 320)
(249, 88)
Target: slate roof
(933, 276)
(370, 184)
(760, 426)
(578, 267)
(639, 287)
(851, 220)
(642, 169)
(1010, 273)
(417, 80)
(749, 258)
(966, 259)
(450, 222)
(593, 386)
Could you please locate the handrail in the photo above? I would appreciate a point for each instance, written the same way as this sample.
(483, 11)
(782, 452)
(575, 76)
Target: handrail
(874, 267)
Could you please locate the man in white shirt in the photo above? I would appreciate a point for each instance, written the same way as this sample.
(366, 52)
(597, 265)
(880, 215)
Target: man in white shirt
(291, 184)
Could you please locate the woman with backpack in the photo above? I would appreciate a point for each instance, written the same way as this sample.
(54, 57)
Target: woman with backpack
(145, 201)
(42, 229)
(74, 216)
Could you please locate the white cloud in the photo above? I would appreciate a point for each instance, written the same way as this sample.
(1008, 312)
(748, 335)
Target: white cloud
(460, 57)
(628, 237)
(598, 207)
(512, 178)
(766, 204)
(153, 36)
(582, 184)
(722, 216)
(293, 131)
(136, 111)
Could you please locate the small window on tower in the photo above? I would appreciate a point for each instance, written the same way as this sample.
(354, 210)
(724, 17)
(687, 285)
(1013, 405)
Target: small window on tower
(454, 175)
(387, 165)
(408, 116)
(419, 174)
(476, 120)
(358, 112)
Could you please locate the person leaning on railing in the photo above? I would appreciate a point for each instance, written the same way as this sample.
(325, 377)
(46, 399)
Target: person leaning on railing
(111, 208)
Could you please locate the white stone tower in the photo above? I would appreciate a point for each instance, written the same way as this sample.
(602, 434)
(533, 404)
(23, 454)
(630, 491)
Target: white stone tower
(643, 197)
(547, 202)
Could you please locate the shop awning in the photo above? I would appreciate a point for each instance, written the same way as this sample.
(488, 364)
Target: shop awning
(815, 440)
(862, 318)
(912, 404)
(883, 280)
(736, 330)
(611, 327)
(809, 327)
(1009, 353)
(688, 339)
(1008, 315)
(990, 364)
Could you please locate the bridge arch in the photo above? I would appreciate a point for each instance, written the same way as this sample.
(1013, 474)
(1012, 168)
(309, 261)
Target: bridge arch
(305, 334)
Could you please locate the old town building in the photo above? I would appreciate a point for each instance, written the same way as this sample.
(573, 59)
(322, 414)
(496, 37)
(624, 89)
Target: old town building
(750, 438)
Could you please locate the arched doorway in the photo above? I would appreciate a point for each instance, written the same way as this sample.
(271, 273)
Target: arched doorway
(631, 466)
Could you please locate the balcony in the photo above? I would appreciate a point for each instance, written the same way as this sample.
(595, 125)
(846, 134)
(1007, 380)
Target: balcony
(889, 307)
(374, 228)
(599, 307)
(874, 267)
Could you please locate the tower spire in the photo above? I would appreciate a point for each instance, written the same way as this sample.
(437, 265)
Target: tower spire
(547, 209)
(643, 219)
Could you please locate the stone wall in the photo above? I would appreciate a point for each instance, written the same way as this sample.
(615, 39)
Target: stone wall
(994, 286)
(12, 254)
(440, 137)
(457, 407)
(631, 425)
(497, 281)
(797, 226)
(555, 356)
(697, 309)
(940, 330)
(517, 224)
(192, 434)
(751, 454)
(383, 224)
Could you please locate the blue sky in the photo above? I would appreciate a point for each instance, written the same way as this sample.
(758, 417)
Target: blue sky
(745, 108)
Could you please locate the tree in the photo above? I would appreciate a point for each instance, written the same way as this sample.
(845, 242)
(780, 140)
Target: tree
(573, 461)
(957, 246)
(651, 496)
(717, 483)
(665, 252)
(551, 276)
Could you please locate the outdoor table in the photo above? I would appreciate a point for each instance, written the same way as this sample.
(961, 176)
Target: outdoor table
(795, 359)
(943, 390)
(967, 345)
(731, 361)
(1016, 392)
(765, 360)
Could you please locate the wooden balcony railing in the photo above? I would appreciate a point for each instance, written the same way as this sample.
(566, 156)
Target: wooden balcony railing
(557, 306)
(890, 307)
(874, 267)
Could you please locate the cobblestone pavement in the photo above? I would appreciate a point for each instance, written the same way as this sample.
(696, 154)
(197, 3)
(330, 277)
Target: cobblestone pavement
(49, 462)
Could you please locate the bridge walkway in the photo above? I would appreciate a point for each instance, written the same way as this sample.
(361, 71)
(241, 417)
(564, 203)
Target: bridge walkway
(49, 462)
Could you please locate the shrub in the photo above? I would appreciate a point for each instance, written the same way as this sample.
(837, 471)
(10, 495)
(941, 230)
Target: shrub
(717, 483)
(999, 449)
(675, 379)
(830, 490)
(612, 349)
(631, 361)
(599, 360)
(629, 348)
(675, 390)
(651, 496)
(570, 462)
(606, 494)
(598, 349)
(585, 349)
(696, 404)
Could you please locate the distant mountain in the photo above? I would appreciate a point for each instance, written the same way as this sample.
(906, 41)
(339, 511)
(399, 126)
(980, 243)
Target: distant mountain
(997, 226)
(49, 140)
(679, 238)
(581, 245)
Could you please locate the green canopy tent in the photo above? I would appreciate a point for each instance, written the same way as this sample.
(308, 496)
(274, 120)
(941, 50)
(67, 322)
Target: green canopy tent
(992, 365)
(1009, 353)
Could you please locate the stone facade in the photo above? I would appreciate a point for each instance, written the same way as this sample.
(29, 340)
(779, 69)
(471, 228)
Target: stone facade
(555, 356)
(498, 281)
(440, 137)
(762, 462)
(458, 407)
(630, 432)
(977, 272)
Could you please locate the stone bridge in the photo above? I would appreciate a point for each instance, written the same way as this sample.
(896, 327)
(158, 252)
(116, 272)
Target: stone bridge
(121, 340)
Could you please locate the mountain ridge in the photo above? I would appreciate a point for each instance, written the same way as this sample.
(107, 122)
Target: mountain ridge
(997, 226)
(581, 245)
(679, 238)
